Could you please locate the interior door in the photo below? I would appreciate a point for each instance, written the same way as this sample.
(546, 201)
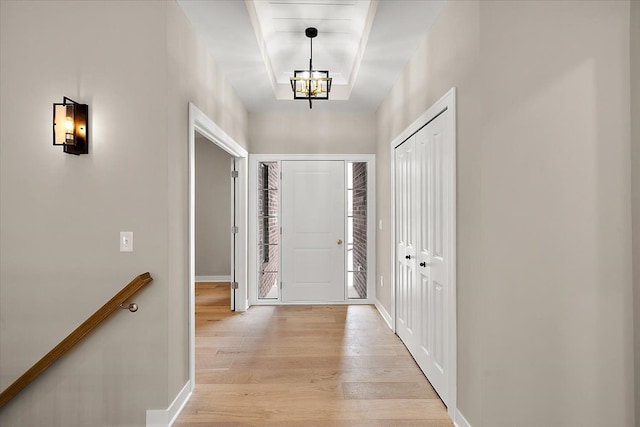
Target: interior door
(405, 163)
(234, 230)
(313, 231)
(431, 292)
(423, 193)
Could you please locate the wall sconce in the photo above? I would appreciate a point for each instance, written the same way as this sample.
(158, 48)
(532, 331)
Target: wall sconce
(71, 126)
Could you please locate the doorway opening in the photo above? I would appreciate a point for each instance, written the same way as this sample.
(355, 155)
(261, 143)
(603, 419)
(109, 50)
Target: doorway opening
(203, 127)
(214, 214)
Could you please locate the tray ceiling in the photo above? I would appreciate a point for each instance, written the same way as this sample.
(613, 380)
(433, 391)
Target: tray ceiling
(364, 44)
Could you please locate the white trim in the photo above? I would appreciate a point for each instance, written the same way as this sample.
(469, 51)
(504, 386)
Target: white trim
(254, 159)
(460, 420)
(385, 315)
(352, 301)
(253, 229)
(371, 229)
(232, 213)
(242, 220)
(166, 417)
(315, 157)
(213, 279)
(392, 224)
(198, 121)
(453, 288)
(214, 133)
(448, 102)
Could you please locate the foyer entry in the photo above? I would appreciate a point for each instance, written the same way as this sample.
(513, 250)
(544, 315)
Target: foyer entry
(313, 229)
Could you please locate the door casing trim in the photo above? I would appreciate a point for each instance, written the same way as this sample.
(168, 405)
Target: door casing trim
(200, 122)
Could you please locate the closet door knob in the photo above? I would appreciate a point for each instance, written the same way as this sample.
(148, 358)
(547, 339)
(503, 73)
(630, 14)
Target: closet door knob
(407, 256)
(423, 264)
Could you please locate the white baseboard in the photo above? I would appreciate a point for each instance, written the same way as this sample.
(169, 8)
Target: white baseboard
(460, 420)
(213, 278)
(386, 316)
(166, 417)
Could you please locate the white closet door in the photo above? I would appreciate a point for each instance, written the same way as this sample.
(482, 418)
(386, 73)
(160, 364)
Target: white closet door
(313, 231)
(423, 191)
(405, 246)
(431, 292)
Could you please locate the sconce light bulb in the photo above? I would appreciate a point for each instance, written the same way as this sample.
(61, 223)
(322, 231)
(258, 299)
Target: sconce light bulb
(69, 124)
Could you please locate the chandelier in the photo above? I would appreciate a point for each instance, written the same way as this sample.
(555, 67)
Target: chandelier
(311, 84)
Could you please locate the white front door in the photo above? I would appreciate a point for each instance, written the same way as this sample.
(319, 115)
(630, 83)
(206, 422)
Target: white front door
(313, 231)
(423, 187)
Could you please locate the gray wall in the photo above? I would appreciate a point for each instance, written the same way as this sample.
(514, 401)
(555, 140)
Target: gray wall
(312, 133)
(213, 209)
(544, 224)
(61, 214)
(635, 184)
(193, 77)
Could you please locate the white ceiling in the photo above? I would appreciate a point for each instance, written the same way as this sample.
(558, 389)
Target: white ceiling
(364, 44)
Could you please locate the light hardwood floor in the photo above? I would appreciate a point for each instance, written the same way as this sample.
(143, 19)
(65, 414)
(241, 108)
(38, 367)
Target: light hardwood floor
(309, 366)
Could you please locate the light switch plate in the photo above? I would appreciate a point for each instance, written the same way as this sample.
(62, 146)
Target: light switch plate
(126, 241)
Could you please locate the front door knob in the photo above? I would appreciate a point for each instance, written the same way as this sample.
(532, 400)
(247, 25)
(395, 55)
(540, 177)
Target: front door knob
(339, 242)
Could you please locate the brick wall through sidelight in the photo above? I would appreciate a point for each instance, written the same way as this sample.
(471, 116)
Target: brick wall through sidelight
(268, 230)
(358, 231)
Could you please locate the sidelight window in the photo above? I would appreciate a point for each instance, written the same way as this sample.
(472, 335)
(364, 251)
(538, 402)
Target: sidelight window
(357, 230)
(268, 231)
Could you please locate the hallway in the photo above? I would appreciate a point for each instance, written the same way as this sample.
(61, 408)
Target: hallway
(303, 366)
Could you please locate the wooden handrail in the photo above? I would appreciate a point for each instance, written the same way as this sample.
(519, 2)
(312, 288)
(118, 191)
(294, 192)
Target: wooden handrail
(74, 337)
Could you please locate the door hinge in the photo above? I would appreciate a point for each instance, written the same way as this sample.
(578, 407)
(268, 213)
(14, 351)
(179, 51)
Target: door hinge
(234, 285)
(234, 174)
(280, 285)
(234, 229)
(281, 230)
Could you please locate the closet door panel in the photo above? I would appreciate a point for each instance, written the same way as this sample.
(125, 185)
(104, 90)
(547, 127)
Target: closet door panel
(422, 191)
(405, 242)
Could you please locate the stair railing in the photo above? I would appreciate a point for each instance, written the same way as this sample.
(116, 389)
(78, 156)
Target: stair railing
(115, 303)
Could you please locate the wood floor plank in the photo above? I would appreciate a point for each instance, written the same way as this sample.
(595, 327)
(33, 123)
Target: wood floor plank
(257, 376)
(307, 366)
(277, 409)
(320, 423)
(316, 349)
(387, 390)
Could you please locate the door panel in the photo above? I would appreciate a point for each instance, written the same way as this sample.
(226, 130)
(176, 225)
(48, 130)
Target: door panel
(435, 366)
(313, 227)
(405, 247)
(422, 229)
